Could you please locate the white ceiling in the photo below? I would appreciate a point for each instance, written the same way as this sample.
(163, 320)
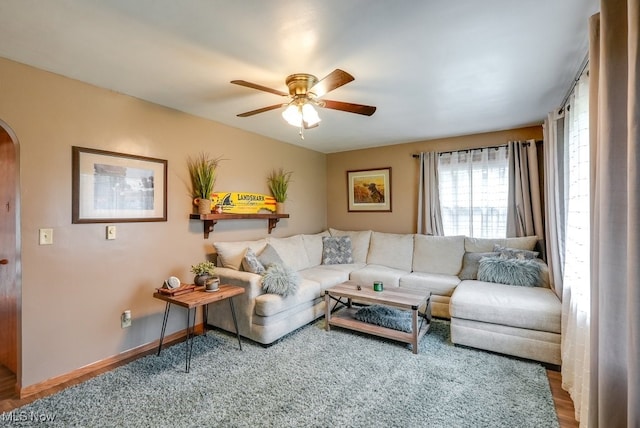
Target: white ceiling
(433, 68)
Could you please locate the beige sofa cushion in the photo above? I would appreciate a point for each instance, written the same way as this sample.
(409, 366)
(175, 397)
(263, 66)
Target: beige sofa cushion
(313, 246)
(325, 277)
(392, 250)
(360, 240)
(534, 308)
(270, 304)
(291, 250)
(485, 245)
(436, 283)
(438, 254)
(232, 253)
(367, 275)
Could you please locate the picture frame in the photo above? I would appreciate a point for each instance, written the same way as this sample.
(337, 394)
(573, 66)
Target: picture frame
(111, 187)
(369, 190)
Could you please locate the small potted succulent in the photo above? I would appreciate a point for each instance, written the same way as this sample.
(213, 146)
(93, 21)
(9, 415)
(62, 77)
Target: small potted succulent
(205, 275)
(278, 180)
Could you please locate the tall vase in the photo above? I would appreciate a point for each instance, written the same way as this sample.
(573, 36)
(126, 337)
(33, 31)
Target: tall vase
(280, 208)
(204, 206)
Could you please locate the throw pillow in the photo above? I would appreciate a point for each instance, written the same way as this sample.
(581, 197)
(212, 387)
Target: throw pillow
(250, 263)
(280, 279)
(269, 256)
(523, 272)
(336, 250)
(514, 253)
(470, 264)
(385, 316)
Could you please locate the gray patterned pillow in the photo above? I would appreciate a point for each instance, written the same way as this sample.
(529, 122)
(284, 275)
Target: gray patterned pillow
(514, 253)
(336, 250)
(250, 262)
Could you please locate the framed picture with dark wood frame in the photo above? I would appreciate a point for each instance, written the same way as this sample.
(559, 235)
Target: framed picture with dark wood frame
(110, 187)
(369, 190)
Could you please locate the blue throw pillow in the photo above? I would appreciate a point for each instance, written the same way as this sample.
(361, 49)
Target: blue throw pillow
(268, 256)
(523, 272)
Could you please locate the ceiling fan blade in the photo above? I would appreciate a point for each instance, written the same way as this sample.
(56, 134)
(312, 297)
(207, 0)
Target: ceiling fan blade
(260, 110)
(331, 81)
(259, 87)
(349, 107)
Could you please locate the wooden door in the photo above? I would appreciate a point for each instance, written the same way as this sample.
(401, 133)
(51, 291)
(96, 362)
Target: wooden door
(9, 293)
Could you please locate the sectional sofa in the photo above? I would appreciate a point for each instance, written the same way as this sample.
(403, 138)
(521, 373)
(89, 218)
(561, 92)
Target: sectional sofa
(514, 320)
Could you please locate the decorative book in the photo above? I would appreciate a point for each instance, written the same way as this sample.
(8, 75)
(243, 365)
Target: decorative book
(184, 288)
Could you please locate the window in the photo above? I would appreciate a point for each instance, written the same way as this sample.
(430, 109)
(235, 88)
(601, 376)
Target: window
(473, 187)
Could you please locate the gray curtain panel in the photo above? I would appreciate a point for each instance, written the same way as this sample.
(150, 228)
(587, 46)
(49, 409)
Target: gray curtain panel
(429, 217)
(553, 196)
(524, 210)
(614, 104)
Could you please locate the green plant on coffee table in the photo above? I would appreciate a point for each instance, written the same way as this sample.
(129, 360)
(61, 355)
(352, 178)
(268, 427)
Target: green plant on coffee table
(204, 268)
(278, 181)
(203, 171)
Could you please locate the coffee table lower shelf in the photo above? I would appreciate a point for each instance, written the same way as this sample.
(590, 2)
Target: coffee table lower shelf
(345, 318)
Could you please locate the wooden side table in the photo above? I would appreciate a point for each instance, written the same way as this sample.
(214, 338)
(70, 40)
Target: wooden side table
(193, 300)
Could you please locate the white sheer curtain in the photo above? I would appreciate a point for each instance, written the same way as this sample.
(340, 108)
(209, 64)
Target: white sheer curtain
(473, 192)
(576, 280)
(554, 138)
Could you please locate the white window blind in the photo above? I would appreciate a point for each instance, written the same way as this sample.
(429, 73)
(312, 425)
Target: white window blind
(473, 186)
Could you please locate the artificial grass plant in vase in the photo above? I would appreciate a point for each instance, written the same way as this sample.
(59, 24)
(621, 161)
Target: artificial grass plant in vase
(203, 171)
(278, 180)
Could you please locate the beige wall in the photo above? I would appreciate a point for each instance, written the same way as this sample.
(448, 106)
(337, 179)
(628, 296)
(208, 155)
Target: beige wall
(74, 290)
(404, 178)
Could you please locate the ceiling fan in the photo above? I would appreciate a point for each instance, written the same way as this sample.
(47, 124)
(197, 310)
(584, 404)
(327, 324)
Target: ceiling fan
(305, 92)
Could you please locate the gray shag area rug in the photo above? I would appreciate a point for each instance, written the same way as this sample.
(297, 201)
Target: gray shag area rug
(310, 378)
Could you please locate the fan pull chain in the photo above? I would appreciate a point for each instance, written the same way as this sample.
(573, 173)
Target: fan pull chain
(301, 133)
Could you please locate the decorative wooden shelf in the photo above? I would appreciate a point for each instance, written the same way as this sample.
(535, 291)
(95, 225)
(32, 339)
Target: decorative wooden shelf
(210, 220)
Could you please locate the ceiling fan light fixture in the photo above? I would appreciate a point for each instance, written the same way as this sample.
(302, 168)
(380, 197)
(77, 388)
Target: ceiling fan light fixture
(310, 115)
(298, 115)
(293, 115)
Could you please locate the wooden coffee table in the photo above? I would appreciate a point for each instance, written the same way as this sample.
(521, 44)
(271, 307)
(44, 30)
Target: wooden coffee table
(397, 297)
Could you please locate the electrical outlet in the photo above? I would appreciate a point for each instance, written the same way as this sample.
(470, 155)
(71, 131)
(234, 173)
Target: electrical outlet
(125, 319)
(111, 232)
(46, 236)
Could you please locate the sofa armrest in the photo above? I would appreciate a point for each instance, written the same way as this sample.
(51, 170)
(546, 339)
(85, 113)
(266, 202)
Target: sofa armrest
(251, 282)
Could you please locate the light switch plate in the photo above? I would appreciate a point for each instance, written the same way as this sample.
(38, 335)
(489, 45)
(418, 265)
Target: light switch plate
(46, 236)
(111, 232)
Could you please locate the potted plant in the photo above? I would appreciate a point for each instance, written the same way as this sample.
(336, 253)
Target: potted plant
(203, 171)
(205, 275)
(278, 181)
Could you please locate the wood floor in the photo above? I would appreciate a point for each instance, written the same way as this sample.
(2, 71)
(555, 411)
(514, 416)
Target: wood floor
(9, 399)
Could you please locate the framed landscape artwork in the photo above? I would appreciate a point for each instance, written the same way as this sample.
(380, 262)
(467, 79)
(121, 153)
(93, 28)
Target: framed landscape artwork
(110, 187)
(369, 190)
